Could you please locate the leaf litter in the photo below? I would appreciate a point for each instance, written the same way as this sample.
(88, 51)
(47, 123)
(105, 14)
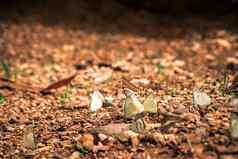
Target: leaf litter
(161, 67)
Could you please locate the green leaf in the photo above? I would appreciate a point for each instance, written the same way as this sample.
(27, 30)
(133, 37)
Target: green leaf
(150, 104)
(6, 70)
(2, 99)
(81, 149)
(65, 96)
(160, 68)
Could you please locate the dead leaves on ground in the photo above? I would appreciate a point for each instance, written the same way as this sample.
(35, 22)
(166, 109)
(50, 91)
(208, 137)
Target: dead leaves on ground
(12, 85)
(58, 84)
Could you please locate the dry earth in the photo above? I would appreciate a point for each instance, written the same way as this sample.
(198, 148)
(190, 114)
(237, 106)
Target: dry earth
(174, 55)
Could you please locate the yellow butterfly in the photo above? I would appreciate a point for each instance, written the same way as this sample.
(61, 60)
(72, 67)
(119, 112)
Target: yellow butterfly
(150, 104)
(132, 105)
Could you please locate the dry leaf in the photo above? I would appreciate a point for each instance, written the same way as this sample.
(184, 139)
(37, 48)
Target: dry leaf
(28, 138)
(224, 43)
(11, 85)
(58, 84)
(141, 81)
(100, 147)
(75, 155)
(234, 103)
(88, 141)
(109, 100)
(129, 85)
(115, 130)
(138, 126)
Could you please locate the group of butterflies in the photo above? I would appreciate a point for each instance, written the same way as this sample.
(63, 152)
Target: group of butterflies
(133, 107)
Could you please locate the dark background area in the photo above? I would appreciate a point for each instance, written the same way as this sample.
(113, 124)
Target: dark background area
(115, 7)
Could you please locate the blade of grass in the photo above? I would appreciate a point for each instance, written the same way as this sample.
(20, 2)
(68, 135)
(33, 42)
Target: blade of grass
(2, 99)
(6, 70)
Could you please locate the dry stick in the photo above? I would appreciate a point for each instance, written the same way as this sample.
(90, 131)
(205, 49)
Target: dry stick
(8, 84)
(58, 84)
(129, 85)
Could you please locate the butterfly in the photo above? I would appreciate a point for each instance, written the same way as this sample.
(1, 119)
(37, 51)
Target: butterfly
(200, 98)
(132, 105)
(97, 100)
(150, 104)
(234, 125)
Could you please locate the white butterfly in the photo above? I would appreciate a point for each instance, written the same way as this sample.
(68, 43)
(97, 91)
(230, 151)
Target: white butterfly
(97, 100)
(200, 98)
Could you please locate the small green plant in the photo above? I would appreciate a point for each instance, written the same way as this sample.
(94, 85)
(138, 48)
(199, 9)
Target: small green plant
(82, 149)
(65, 96)
(225, 80)
(160, 68)
(6, 70)
(2, 99)
(224, 88)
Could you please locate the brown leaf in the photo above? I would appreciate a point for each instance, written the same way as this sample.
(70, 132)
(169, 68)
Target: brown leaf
(58, 84)
(28, 138)
(88, 141)
(12, 85)
(127, 84)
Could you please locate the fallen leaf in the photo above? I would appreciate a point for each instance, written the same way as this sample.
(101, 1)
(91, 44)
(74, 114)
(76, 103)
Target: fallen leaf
(75, 155)
(141, 81)
(224, 43)
(233, 88)
(28, 138)
(115, 130)
(58, 84)
(100, 147)
(127, 84)
(200, 98)
(109, 100)
(97, 100)
(150, 104)
(11, 85)
(138, 126)
(234, 103)
(88, 141)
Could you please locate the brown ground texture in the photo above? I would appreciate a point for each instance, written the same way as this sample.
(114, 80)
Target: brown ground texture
(172, 54)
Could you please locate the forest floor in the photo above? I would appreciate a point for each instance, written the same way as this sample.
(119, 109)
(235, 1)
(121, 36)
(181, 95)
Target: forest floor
(158, 55)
